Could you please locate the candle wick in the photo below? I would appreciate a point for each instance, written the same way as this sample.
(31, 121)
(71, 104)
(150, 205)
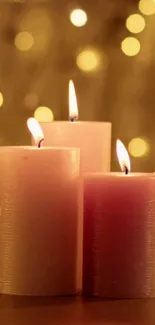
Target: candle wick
(40, 142)
(73, 119)
(126, 170)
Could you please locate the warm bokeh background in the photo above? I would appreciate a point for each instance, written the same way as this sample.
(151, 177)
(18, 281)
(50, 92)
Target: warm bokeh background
(41, 49)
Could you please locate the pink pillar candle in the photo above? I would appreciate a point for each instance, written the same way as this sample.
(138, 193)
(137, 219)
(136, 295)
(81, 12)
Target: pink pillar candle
(119, 235)
(93, 139)
(39, 210)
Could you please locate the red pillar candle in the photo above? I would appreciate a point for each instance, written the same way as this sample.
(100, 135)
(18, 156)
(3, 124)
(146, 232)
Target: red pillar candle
(119, 234)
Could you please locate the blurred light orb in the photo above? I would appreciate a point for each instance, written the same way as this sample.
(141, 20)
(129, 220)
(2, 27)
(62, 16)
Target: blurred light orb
(135, 23)
(31, 100)
(147, 7)
(88, 60)
(78, 17)
(24, 41)
(138, 147)
(1, 99)
(130, 46)
(43, 114)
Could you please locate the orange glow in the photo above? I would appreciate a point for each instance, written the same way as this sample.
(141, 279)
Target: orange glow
(73, 108)
(35, 129)
(123, 156)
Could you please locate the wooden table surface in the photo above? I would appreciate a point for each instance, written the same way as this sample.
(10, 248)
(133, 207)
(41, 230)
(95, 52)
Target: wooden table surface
(67, 311)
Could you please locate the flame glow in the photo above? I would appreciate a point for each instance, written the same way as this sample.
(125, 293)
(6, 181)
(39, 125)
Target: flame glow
(123, 156)
(35, 129)
(73, 108)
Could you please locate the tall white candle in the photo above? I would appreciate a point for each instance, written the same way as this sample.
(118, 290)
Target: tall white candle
(39, 201)
(93, 138)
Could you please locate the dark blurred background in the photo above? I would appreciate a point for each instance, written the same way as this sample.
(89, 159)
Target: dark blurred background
(106, 46)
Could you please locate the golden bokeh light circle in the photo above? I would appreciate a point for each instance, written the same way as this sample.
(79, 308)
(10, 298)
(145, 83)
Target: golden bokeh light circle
(147, 7)
(88, 60)
(138, 147)
(24, 41)
(78, 17)
(135, 23)
(1, 99)
(43, 114)
(130, 46)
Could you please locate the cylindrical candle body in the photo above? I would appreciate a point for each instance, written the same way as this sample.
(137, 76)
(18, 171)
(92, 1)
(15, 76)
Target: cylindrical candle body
(93, 139)
(39, 201)
(119, 236)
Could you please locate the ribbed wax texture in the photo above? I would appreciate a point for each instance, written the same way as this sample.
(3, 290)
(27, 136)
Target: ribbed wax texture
(119, 236)
(93, 139)
(39, 209)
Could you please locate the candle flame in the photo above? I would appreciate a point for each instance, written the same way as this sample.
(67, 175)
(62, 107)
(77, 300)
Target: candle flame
(123, 156)
(35, 129)
(73, 108)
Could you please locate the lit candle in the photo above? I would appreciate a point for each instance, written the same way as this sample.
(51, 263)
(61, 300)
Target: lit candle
(119, 233)
(93, 138)
(39, 203)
